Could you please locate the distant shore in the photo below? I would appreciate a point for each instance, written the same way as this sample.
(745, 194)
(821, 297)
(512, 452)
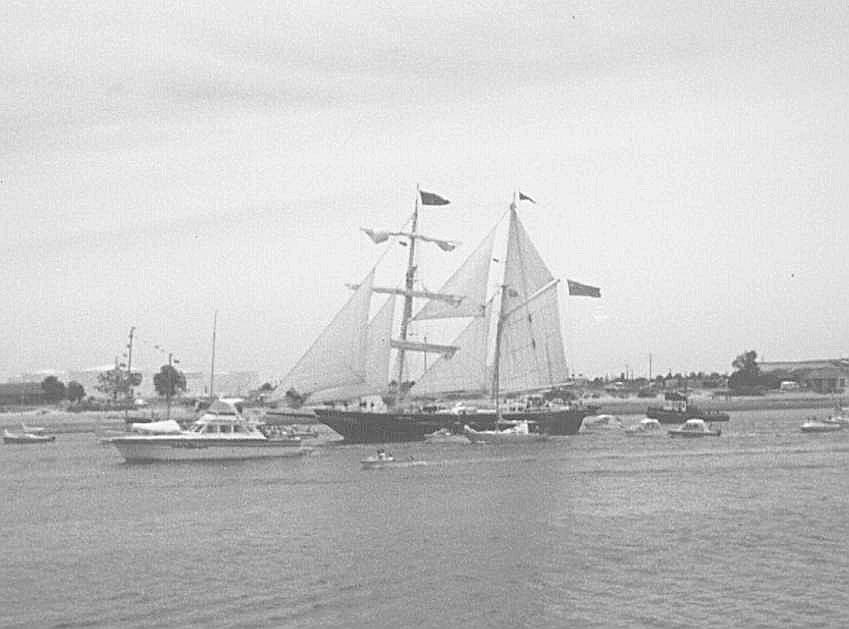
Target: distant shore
(61, 421)
(636, 406)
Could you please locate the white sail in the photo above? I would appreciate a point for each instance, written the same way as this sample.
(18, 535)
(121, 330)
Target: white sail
(466, 370)
(524, 270)
(531, 353)
(337, 358)
(468, 282)
(376, 373)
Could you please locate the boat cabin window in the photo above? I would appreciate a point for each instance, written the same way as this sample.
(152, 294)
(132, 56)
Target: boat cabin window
(224, 428)
(239, 428)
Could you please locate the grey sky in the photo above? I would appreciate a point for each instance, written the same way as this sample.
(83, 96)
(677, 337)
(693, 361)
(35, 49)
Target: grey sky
(158, 163)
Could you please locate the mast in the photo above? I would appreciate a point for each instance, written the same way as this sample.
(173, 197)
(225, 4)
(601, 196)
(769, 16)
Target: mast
(130, 364)
(212, 365)
(408, 297)
(499, 326)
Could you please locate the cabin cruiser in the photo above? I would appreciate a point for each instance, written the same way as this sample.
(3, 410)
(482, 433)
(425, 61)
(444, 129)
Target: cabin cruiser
(647, 427)
(695, 428)
(221, 433)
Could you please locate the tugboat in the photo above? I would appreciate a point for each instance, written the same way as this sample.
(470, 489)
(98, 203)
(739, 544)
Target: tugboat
(677, 409)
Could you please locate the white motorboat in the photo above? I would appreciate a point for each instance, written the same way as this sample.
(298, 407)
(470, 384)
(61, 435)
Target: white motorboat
(446, 435)
(383, 460)
(601, 422)
(694, 428)
(28, 435)
(647, 427)
(514, 432)
(221, 433)
(814, 425)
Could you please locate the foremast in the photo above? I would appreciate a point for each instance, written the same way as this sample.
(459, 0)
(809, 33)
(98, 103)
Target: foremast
(409, 284)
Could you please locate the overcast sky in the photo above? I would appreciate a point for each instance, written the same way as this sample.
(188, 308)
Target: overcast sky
(159, 162)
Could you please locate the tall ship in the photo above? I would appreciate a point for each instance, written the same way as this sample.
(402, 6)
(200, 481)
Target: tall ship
(505, 361)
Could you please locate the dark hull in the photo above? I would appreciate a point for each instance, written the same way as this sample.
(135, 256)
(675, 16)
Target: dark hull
(363, 427)
(666, 416)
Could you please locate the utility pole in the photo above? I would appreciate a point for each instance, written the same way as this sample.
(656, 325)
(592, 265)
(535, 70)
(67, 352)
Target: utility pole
(130, 364)
(649, 366)
(170, 385)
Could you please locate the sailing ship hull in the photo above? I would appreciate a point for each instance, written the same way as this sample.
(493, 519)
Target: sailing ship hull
(365, 427)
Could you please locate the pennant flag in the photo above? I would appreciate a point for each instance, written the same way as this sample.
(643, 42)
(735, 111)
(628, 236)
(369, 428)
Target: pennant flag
(576, 289)
(524, 197)
(429, 198)
(377, 237)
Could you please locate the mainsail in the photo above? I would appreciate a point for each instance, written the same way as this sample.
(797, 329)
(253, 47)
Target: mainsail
(530, 352)
(337, 358)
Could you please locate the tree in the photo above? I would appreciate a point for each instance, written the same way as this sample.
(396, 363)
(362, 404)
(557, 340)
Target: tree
(117, 382)
(169, 382)
(747, 372)
(54, 389)
(75, 391)
(294, 399)
(266, 386)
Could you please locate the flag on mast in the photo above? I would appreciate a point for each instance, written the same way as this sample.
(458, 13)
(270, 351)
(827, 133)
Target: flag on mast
(524, 197)
(429, 198)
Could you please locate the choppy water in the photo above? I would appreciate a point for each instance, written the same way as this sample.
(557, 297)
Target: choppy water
(597, 530)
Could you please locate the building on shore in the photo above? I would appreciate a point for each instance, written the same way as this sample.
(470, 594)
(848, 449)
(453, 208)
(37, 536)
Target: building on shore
(827, 376)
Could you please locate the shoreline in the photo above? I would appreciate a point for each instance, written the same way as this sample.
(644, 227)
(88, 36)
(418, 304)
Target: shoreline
(63, 422)
(637, 406)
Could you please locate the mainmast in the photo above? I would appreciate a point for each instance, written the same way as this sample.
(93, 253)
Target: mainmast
(408, 297)
(499, 325)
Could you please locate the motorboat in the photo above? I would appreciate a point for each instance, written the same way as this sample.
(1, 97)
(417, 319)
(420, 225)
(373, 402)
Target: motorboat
(513, 432)
(602, 422)
(694, 428)
(28, 435)
(446, 435)
(647, 427)
(815, 425)
(383, 460)
(221, 433)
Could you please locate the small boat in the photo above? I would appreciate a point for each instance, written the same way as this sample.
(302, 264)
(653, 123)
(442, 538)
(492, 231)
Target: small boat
(221, 433)
(448, 434)
(28, 434)
(383, 460)
(647, 427)
(514, 432)
(694, 428)
(814, 425)
(602, 422)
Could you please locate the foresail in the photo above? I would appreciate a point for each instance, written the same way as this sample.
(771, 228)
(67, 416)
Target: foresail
(468, 282)
(376, 374)
(466, 370)
(532, 354)
(337, 358)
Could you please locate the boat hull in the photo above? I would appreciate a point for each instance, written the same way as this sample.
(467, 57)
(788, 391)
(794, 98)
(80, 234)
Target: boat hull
(28, 439)
(683, 434)
(492, 436)
(666, 416)
(147, 451)
(365, 427)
